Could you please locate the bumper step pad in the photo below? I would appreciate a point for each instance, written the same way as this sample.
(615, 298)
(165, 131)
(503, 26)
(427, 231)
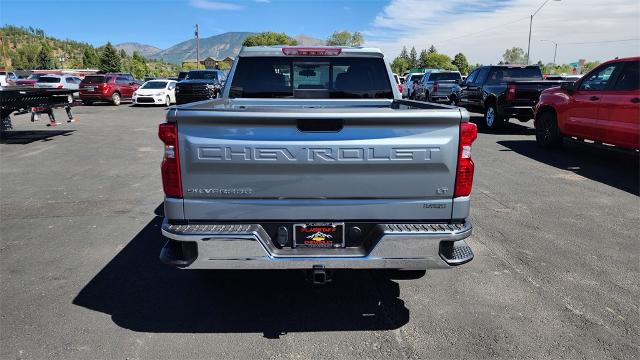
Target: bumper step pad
(456, 252)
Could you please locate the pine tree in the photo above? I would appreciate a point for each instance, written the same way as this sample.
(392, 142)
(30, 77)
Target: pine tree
(109, 59)
(413, 58)
(90, 58)
(45, 57)
(433, 50)
(404, 54)
(421, 59)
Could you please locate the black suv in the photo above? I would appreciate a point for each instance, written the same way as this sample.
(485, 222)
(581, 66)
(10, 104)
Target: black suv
(200, 85)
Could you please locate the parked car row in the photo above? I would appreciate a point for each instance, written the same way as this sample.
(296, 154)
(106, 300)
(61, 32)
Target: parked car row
(602, 106)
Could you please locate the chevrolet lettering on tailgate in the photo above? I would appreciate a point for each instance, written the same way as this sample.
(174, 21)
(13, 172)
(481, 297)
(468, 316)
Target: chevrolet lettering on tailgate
(319, 154)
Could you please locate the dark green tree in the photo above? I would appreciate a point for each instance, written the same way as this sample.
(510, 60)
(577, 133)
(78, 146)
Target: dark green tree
(404, 54)
(90, 58)
(400, 65)
(413, 58)
(109, 59)
(139, 67)
(45, 57)
(460, 62)
(269, 38)
(423, 55)
(432, 50)
(345, 38)
(437, 61)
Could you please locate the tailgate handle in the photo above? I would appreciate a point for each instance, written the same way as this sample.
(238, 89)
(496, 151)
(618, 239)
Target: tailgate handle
(320, 125)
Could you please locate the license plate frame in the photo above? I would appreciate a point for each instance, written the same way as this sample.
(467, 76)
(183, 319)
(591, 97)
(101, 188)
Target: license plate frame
(320, 235)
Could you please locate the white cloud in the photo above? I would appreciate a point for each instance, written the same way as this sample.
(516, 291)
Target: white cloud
(214, 5)
(483, 29)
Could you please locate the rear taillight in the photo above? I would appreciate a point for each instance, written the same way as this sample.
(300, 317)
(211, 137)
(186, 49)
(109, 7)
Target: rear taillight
(464, 173)
(171, 180)
(511, 92)
(435, 87)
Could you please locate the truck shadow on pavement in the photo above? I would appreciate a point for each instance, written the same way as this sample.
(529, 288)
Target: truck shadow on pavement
(23, 137)
(142, 294)
(608, 166)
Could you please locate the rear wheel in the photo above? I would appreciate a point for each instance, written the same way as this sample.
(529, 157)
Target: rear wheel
(492, 120)
(115, 99)
(547, 131)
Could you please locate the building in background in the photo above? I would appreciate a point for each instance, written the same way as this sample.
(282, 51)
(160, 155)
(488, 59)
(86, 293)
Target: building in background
(208, 63)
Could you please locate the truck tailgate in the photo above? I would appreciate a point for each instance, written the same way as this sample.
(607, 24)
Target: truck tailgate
(318, 163)
(528, 92)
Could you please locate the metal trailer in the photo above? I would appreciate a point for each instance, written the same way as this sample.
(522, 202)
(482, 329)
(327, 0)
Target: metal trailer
(22, 100)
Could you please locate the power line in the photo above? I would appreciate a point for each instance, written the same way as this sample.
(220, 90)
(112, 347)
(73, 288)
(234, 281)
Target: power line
(599, 42)
(483, 30)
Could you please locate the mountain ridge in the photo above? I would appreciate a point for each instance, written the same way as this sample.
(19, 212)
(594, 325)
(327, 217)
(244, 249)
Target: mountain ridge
(218, 46)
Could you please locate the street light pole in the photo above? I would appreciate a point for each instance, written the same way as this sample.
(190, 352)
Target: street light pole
(197, 47)
(531, 25)
(555, 50)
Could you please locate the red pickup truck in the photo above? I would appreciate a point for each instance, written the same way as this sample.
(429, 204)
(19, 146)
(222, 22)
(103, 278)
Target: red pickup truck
(603, 106)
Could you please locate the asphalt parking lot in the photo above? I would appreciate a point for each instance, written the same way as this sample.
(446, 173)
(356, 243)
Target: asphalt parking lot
(556, 273)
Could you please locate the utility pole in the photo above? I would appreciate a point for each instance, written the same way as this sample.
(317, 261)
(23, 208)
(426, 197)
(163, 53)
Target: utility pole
(531, 25)
(555, 50)
(197, 47)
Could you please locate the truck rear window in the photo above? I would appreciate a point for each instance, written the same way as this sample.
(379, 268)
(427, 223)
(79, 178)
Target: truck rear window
(501, 75)
(444, 76)
(310, 78)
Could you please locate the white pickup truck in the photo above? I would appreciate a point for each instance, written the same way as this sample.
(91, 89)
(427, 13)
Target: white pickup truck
(311, 160)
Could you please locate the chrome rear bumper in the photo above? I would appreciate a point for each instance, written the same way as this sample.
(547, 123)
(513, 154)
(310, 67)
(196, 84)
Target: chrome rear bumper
(248, 246)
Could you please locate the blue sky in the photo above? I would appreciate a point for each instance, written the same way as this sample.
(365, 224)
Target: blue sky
(481, 29)
(163, 23)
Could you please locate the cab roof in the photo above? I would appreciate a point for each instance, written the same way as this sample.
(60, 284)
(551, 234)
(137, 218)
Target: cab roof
(276, 50)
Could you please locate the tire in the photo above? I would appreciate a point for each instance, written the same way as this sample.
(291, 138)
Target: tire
(115, 99)
(548, 134)
(492, 121)
(167, 101)
(87, 102)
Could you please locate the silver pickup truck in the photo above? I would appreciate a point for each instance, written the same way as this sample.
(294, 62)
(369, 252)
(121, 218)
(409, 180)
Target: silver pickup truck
(439, 86)
(311, 160)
